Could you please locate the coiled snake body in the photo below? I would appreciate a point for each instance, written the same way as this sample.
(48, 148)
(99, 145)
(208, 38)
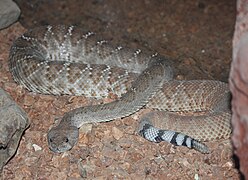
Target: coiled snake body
(66, 60)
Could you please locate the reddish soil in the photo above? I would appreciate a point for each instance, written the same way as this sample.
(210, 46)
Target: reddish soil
(197, 34)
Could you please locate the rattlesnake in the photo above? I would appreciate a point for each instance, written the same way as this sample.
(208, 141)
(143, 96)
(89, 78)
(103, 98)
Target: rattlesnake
(68, 60)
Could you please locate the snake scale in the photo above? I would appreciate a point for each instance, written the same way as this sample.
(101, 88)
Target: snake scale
(68, 60)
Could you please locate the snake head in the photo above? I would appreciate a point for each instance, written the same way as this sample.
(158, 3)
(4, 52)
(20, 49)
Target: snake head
(61, 139)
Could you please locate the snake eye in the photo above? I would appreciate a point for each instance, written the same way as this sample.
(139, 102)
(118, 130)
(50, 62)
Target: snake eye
(66, 140)
(50, 140)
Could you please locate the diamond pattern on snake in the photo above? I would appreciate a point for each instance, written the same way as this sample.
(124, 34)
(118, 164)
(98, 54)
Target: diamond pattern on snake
(68, 60)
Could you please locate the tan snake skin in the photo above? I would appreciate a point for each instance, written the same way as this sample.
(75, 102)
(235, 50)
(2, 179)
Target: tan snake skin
(67, 60)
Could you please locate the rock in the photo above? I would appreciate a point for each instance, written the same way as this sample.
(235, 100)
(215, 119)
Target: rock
(13, 122)
(239, 86)
(9, 13)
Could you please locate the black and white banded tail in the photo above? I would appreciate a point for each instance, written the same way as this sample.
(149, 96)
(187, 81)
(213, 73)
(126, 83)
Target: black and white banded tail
(153, 134)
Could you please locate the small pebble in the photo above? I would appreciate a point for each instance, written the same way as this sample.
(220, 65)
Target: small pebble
(36, 147)
(117, 133)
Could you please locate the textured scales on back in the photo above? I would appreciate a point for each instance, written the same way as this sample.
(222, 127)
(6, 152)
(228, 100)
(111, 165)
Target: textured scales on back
(67, 60)
(50, 60)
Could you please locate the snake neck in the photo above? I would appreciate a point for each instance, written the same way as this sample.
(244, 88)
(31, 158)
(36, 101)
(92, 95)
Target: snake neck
(141, 91)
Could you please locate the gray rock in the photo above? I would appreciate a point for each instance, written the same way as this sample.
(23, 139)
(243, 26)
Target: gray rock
(13, 122)
(9, 13)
